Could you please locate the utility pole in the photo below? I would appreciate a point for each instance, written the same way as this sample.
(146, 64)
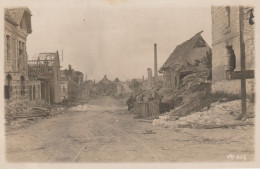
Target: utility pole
(243, 74)
(242, 61)
(62, 55)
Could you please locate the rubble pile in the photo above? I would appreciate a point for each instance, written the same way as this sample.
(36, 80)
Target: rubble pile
(26, 109)
(219, 114)
(190, 96)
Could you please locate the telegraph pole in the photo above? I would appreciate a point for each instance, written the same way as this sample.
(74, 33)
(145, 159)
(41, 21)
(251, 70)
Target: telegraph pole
(243, 74)
(242, 61)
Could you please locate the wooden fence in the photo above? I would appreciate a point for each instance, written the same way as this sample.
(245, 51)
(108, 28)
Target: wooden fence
(145, 109)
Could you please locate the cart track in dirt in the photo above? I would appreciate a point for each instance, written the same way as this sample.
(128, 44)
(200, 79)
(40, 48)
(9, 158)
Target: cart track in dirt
(105, 132)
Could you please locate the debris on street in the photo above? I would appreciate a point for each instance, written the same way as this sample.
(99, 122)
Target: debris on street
(219, 115)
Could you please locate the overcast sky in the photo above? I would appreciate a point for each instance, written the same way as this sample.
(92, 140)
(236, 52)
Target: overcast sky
(114, 38)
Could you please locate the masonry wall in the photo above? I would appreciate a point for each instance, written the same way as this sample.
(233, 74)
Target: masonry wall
(223, 34)
(35, 90)
(56, 81)
(171, 79)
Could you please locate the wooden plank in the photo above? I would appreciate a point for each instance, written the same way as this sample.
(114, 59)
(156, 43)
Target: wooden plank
(247, 74)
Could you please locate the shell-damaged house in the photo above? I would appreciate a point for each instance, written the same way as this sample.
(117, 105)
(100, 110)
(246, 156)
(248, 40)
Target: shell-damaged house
(46, 68)
(183, 59)
(16, 29)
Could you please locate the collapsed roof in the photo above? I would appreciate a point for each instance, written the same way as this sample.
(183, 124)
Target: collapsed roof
(42, 66)
(187, 53)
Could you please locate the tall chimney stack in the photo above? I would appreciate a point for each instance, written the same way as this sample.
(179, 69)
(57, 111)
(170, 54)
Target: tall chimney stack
(150, 77)
(155, 63)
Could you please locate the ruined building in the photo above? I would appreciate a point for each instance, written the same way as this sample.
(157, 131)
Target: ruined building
(228, 24)
(46, 68)
(75, 82)
(106, 87)
(185, 59)
(64, 86)
(88, 89)
(16, 29)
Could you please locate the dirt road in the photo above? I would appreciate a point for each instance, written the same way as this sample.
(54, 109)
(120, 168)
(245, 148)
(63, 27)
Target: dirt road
(103, 131)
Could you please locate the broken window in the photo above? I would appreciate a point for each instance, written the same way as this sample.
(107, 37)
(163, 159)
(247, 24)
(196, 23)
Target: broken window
(23, 24)
(251, 17)
(19, 54)
(8, 87)
(22, 86)
(227, 15)
(34, 92)
(14, 54)
(8, 48)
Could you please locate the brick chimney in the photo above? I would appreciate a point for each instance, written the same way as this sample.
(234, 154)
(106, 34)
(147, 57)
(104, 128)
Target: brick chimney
(155, 63)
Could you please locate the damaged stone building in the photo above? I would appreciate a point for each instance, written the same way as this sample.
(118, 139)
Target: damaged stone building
(182, 60)
(226, 47)
(46, 68)
(17, 27)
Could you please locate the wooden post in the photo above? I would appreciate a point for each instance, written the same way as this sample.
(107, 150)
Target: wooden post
(242, 60)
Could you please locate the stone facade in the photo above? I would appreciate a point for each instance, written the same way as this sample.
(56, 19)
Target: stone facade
(226, 32)
(16, 29)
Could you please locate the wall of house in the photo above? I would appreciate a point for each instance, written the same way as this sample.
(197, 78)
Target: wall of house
(171, 79)
(224, 32)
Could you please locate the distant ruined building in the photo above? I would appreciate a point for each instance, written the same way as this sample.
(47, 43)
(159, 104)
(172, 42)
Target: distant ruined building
(106, 87)
(74, 81)
(17, 27)
(226, 47)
